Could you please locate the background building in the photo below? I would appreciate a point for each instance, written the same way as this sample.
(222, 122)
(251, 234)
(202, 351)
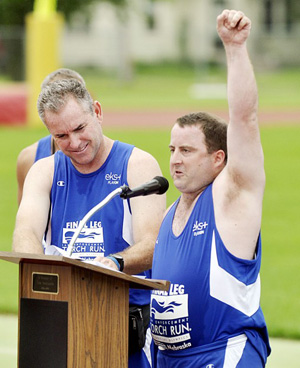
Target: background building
(179, 30)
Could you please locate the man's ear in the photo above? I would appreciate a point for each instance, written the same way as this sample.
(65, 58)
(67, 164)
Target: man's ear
(220, 158)
(98, 110)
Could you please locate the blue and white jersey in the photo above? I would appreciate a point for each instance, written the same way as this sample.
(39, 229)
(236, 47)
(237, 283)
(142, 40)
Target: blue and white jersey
(44, 148)
(213, 297)
(74, 194)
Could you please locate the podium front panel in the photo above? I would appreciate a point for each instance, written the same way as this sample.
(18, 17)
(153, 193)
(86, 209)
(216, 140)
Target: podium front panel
(43, 334)
(91, 308)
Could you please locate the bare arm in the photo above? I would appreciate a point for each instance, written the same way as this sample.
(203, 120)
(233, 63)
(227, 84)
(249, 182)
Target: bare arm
(33, 212)
(238, 191)
(24, 162)
(147, 214)
(245, 155)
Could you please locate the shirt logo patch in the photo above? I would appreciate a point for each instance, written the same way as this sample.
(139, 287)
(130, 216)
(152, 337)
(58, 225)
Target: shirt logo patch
(61, 183)
(170, 319)
(113, 178)
(89, 243)
(199, 227)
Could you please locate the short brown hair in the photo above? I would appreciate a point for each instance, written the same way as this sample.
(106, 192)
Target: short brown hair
(213, 127)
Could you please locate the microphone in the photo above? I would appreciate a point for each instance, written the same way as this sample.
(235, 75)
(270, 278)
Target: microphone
(158, 185)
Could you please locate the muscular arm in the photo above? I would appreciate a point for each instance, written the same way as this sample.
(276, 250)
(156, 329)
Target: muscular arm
(24, 162)
(238, 190)
(33, 212)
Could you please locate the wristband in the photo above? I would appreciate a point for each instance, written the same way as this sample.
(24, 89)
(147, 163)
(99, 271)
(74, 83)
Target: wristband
(119, 259)
(112, 258)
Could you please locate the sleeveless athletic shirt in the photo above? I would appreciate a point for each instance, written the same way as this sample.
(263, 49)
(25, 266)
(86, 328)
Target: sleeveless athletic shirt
(213, 294)
(44, 148)
(73, 194)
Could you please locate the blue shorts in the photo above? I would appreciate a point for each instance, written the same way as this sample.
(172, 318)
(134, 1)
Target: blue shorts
(237, 353)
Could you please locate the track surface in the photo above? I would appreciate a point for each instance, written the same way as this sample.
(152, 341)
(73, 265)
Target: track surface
(158, 119)
(13, 100)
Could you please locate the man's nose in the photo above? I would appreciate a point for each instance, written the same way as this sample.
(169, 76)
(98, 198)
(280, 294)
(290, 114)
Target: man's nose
(74, 141)
(175, 157)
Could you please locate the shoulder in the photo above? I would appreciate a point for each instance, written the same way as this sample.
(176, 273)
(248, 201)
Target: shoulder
(24, 162)
(40, 175)
(27, 155)
(142, 166)
(139, 156)
(44, 164)
(37, 186)
(43, 170)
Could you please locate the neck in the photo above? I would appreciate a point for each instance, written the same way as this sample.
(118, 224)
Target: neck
(188, 199)
(183, 211)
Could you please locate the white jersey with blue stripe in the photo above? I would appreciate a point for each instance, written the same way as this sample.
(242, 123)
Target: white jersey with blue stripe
(214, 296)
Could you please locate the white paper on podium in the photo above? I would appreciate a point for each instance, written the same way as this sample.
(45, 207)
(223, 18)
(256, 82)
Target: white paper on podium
(53, 250)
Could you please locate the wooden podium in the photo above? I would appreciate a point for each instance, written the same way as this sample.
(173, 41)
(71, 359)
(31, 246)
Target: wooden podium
(73, 314)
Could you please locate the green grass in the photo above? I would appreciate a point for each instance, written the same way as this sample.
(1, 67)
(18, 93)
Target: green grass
(150, 88)
(281, 237)
(167, 86)
(279, 90)
(12, 141)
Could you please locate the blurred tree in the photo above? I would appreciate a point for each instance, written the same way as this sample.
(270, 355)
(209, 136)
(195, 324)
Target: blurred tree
(12, 23)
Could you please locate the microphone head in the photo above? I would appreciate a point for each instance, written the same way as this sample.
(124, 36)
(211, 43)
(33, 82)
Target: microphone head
(164, 184)
(158, 185)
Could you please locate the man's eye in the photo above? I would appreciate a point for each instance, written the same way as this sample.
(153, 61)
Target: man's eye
(81, 127)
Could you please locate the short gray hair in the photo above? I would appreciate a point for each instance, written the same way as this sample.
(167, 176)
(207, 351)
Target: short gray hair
(54, 96)
(62, 73)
